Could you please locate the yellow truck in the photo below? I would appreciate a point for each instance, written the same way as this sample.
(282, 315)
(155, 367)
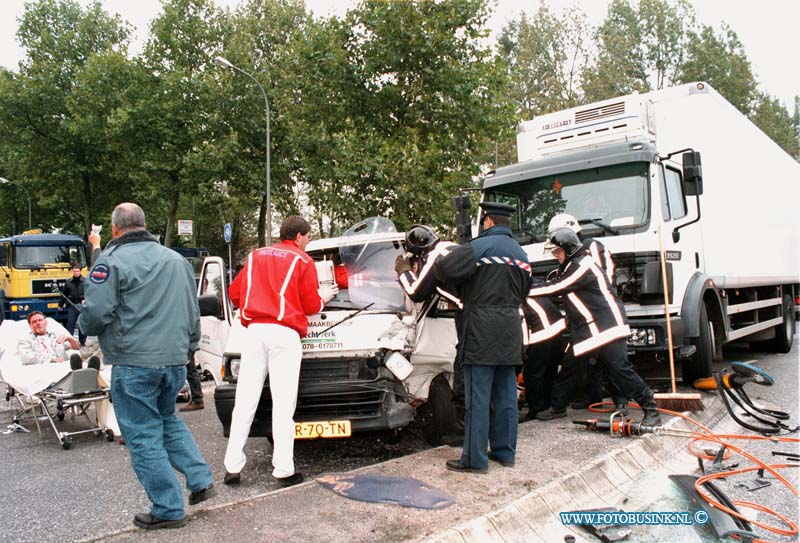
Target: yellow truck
(33, 266)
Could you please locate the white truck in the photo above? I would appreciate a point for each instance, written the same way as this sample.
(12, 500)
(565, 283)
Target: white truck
(372, 360)
(630, 167)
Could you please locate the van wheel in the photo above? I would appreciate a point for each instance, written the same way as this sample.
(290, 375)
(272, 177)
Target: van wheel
(438, 413)
(699, 366)
(784, 333)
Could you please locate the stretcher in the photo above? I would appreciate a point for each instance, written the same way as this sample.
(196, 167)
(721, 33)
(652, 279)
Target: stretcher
(53, 392)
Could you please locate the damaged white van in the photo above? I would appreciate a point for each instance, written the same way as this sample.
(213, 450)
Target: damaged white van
(372, 359)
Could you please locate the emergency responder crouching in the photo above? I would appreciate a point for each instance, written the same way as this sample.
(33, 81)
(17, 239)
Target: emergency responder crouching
(415, 272)
(596, 317)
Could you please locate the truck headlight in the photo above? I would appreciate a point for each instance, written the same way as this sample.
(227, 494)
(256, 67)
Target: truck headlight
(642, 337)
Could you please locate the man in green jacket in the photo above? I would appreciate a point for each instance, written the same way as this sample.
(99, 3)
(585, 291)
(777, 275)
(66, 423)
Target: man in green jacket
(141, 303)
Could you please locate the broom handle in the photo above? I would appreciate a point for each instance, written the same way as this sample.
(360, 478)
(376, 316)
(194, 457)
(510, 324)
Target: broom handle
(665, 285)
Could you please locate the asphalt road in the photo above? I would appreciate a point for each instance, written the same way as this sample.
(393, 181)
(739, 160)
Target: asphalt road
(48, 494)
(51, 495)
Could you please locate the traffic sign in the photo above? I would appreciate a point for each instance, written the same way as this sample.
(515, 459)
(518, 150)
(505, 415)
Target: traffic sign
(227, 232)
(184, 228)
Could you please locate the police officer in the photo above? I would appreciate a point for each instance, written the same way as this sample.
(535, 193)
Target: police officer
(493, 276)
(418, 280)
(596, 316)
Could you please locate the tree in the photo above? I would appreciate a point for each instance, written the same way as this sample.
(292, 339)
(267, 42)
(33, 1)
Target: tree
(774, 119)
(721, 61)
(61, 165)
(545, 56)
(408, 100)
(639, 49)
(172, 118)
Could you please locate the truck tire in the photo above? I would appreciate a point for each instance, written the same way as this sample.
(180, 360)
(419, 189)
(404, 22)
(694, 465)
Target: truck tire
(784, 333)
(438, 413)
(699, 365)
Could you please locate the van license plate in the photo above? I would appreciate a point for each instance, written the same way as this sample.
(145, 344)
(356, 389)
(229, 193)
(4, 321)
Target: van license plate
(327, 428)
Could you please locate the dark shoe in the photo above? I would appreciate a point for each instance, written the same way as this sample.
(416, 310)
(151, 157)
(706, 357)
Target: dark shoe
(232, 478)
(503, 463)
(651, 418)
(193, 406)
(455, 465)
(75, 362)
(149, 522)
(528, 416)
(291, 480)
(94, 363)
(550, 414)
(622, 407)
(453, 440)
(205, 494)
(121, 440)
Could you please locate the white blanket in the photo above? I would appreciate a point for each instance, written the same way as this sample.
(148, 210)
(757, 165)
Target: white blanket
(34, 378)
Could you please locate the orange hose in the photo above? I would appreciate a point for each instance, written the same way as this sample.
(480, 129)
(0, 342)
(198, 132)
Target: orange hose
(707, 435)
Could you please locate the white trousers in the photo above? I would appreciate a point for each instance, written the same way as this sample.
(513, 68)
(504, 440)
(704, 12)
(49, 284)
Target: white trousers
(274, 350)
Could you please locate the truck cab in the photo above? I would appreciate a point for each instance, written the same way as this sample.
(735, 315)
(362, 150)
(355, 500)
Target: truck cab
(630, 170)
(33, 267)
(372, 360)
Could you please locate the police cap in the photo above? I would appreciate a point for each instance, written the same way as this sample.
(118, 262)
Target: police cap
(497, 209)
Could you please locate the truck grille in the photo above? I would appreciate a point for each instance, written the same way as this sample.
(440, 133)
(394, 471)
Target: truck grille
(336, 389)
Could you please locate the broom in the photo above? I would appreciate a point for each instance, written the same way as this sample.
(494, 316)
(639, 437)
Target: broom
(674, 401)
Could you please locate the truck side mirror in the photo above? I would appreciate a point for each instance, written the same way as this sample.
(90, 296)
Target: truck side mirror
(692, 174)
(210, 306)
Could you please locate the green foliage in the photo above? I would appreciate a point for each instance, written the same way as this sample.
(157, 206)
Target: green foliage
(774, 119)
(720, 60)
(387, 111)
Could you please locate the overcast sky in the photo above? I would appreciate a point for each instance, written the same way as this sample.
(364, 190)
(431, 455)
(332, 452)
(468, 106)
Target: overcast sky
(768, 29)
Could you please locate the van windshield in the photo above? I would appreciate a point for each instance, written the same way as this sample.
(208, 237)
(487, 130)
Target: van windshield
(616, 197)
(33, 257)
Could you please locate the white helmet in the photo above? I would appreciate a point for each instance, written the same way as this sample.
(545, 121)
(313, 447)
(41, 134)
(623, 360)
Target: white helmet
(563, 220)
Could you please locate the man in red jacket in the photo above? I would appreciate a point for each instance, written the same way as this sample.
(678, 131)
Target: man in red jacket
(275, 291)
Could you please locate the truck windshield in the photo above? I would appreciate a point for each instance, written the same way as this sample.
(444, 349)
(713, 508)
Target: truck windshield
(606, 199)
(33, 257)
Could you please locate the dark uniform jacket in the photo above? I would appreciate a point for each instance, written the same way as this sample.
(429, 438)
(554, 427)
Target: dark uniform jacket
(73, 290)
(493, 277)
(595, 313)
(422, 286)
(543, 320)
(602, 257)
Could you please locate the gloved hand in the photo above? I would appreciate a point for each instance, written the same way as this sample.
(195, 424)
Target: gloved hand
(402, 264)
(327, 292)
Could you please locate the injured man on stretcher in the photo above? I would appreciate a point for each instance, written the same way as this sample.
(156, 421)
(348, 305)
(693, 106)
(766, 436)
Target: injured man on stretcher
(41, 346)
(34, 355)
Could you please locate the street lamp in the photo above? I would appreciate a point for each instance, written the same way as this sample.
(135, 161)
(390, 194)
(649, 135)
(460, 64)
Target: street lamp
(4, 181)
(228, 65)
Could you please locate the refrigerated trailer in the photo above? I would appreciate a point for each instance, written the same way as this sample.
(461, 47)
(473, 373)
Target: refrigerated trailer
(684, 165)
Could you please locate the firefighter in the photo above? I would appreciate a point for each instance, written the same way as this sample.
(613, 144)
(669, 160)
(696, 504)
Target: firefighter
(596, 316)
(418, 280)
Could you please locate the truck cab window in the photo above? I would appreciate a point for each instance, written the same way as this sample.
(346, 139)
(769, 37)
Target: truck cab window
(665, 215)
(4, 255)
(677, 203)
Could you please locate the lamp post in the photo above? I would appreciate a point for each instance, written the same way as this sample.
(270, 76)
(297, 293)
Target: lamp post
(28, 194)
(228, 65)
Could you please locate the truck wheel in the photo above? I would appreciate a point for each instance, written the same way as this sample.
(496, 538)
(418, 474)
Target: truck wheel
(699, 365)
(784, 333)
(438, 412)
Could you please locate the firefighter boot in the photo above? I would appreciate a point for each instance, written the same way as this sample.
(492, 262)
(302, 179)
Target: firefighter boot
(651, 415)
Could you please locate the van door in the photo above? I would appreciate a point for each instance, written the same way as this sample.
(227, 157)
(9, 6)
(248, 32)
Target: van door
(214, 330)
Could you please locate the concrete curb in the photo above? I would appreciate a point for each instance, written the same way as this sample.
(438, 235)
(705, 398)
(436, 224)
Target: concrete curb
(534, 517)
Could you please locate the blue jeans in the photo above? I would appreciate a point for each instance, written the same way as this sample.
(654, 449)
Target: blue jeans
(157, 439)
(72, 323)
(489, 388)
